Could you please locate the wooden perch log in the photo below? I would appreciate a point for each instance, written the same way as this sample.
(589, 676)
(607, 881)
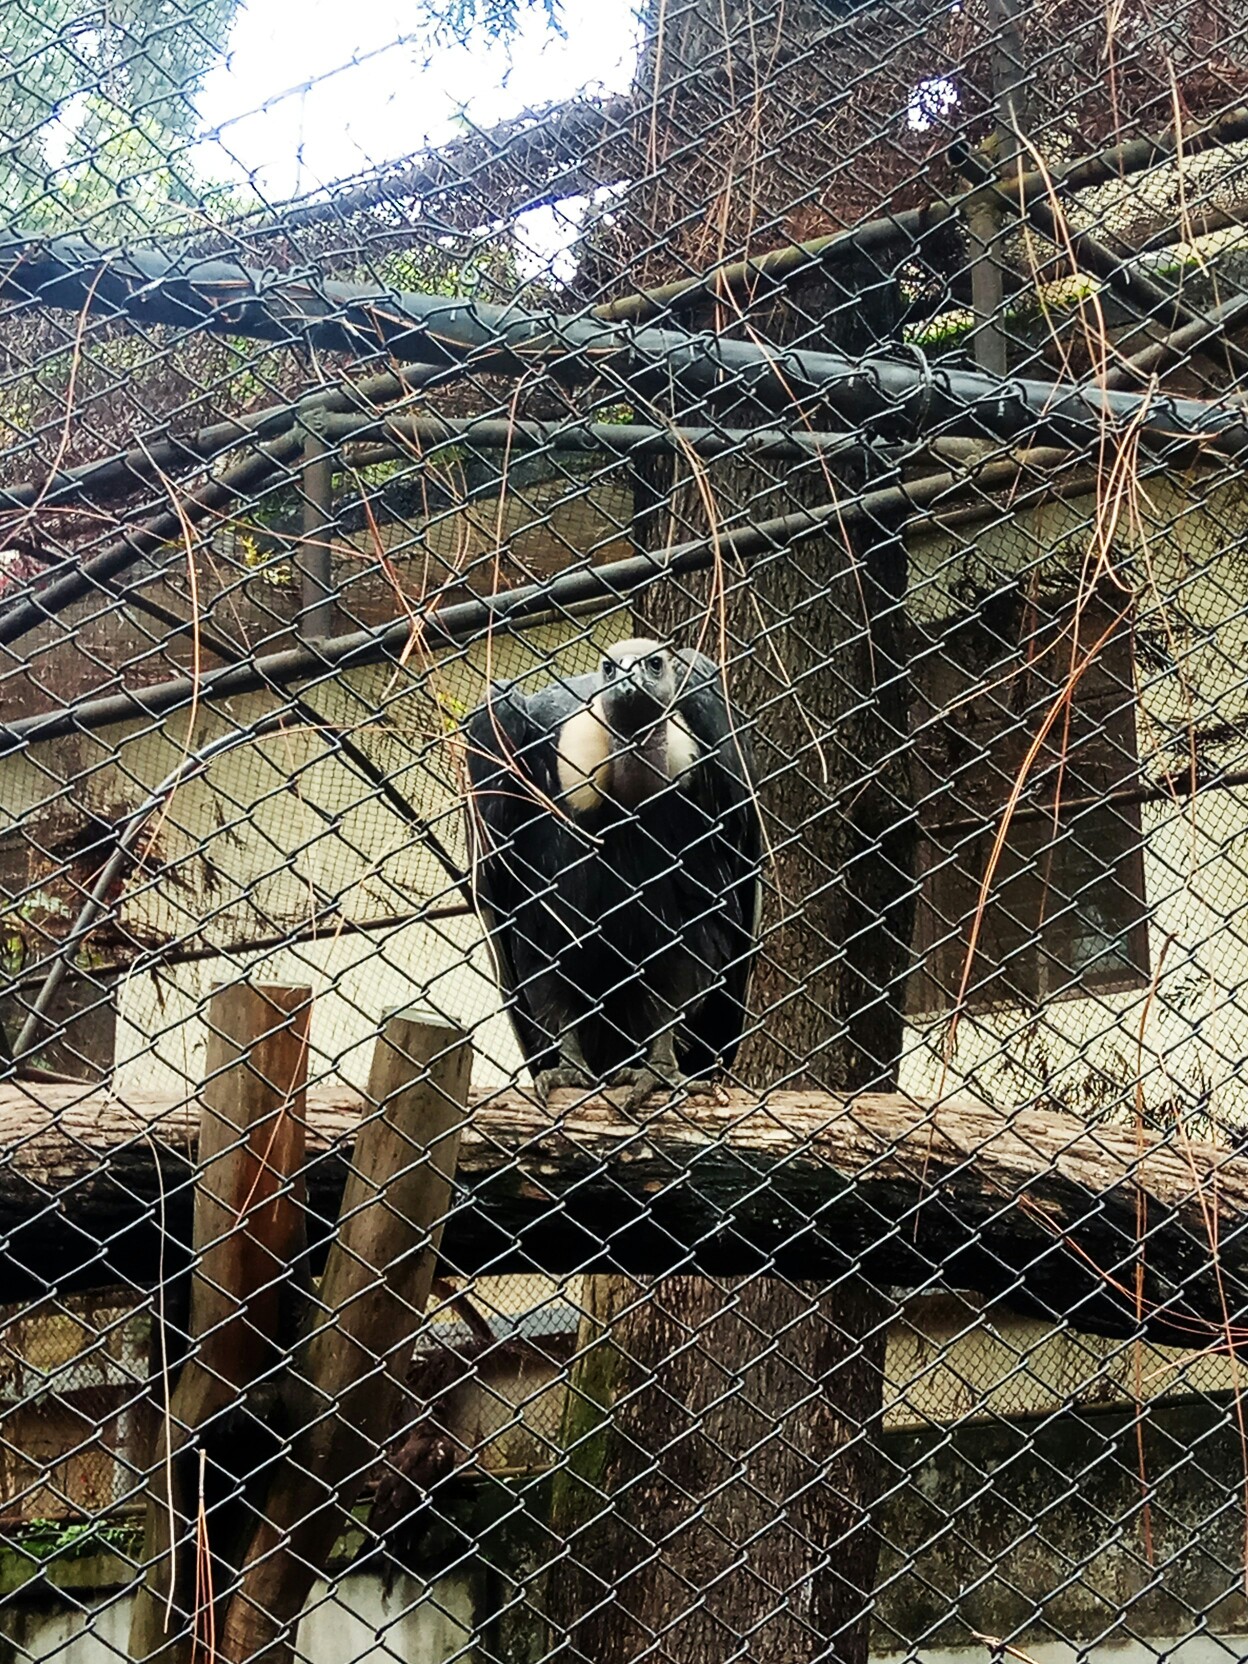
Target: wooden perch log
(249, 1241)
(345, 1387)
(1027, 1205)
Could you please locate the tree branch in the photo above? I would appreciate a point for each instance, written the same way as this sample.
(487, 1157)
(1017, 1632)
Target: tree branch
(538, 157)
(1023, 1204)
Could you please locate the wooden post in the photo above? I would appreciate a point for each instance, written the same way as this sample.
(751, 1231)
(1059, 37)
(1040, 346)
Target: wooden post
(984, 216)
(372, 1297)
(249, 1240)
(316, 563)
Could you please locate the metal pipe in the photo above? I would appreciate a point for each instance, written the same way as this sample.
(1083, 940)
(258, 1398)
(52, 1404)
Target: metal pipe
(156, 958)
(875, 394)
(128, 831)
(490, 433)
(100, 571)
(1168, 791)
(906, 229)
(466, 621)
(1147, 299)
(28, 612)
(1200, 332)
(349, 419)
(120, 473)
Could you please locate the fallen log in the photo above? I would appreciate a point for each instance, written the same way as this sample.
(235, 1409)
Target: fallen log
(1096, 1224)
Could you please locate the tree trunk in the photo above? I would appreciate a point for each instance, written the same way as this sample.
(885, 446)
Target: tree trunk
(722, 1471)
(736, 1448)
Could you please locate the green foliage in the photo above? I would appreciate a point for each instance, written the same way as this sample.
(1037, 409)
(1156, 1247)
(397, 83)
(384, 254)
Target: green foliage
(54, 1540)
(97, 108)
(499, 19)
(485, 268)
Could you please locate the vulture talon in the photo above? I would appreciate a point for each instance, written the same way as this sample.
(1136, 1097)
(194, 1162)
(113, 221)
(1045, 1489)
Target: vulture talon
(644, 1083)
(554, 1080)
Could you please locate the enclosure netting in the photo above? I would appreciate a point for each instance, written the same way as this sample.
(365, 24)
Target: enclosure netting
(624, 809)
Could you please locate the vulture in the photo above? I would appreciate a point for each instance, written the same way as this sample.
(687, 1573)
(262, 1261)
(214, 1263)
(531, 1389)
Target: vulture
(615, 846)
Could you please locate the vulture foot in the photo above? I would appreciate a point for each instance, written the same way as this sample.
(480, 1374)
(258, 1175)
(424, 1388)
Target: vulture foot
(645, 1082)
(566, 1075)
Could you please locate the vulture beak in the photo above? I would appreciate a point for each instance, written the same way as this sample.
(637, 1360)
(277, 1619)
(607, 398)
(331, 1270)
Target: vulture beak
(629, 704)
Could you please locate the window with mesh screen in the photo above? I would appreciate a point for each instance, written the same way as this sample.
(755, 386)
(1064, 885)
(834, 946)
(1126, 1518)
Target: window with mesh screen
(1037, 689)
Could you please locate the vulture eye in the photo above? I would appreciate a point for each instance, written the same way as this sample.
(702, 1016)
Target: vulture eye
(608, 669)
(655, 665)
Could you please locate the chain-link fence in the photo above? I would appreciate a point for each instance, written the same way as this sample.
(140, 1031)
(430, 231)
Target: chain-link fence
(623, 832)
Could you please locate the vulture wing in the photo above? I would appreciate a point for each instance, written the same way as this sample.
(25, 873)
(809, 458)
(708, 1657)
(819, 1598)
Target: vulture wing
(519, 839)
(529, 859)
(726, 860)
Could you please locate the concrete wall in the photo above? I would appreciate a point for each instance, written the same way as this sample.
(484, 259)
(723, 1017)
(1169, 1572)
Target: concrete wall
(1025, 1501)
(1083, 1528)
(355, 1621)
(1080, 1533)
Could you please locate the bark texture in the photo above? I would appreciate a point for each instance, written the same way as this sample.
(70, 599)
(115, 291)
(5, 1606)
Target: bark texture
(1033, 1206)
(724, 1472)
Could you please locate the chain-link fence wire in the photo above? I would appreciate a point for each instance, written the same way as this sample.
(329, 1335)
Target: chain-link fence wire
(644, 697)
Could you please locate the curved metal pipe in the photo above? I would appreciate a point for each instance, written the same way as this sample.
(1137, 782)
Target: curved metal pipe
(127, 835)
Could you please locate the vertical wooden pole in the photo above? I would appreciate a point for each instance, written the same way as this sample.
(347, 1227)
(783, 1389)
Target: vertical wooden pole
(983, 227)
(316, 563)
(249, 1216)
(984, 215)
(372, 1297)
(249, 1243)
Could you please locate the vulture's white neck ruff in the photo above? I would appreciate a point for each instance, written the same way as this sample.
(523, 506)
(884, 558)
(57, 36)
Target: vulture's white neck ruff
(593, 766)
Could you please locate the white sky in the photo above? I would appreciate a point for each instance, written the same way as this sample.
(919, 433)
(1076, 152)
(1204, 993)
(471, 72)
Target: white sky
(312, 92)
(283, 111)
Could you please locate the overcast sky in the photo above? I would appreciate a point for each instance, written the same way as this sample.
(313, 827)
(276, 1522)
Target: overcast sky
(312, 93)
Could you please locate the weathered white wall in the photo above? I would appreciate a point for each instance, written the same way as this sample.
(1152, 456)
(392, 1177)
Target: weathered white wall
(1182, 549)
(353, 1622)
(1174, 1649)
(357, 1623)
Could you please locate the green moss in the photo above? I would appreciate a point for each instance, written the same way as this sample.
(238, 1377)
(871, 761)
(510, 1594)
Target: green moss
(89, 1554)
(50, 1539)
(586, 1429)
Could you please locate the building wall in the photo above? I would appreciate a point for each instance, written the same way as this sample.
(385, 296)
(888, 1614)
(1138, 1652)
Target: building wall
(1178, 1042)
(357, 1621)
(277, 830)
(1082, 1532)
(1017, 1508)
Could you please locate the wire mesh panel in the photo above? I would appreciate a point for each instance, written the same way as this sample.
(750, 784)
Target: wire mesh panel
(623, 815)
